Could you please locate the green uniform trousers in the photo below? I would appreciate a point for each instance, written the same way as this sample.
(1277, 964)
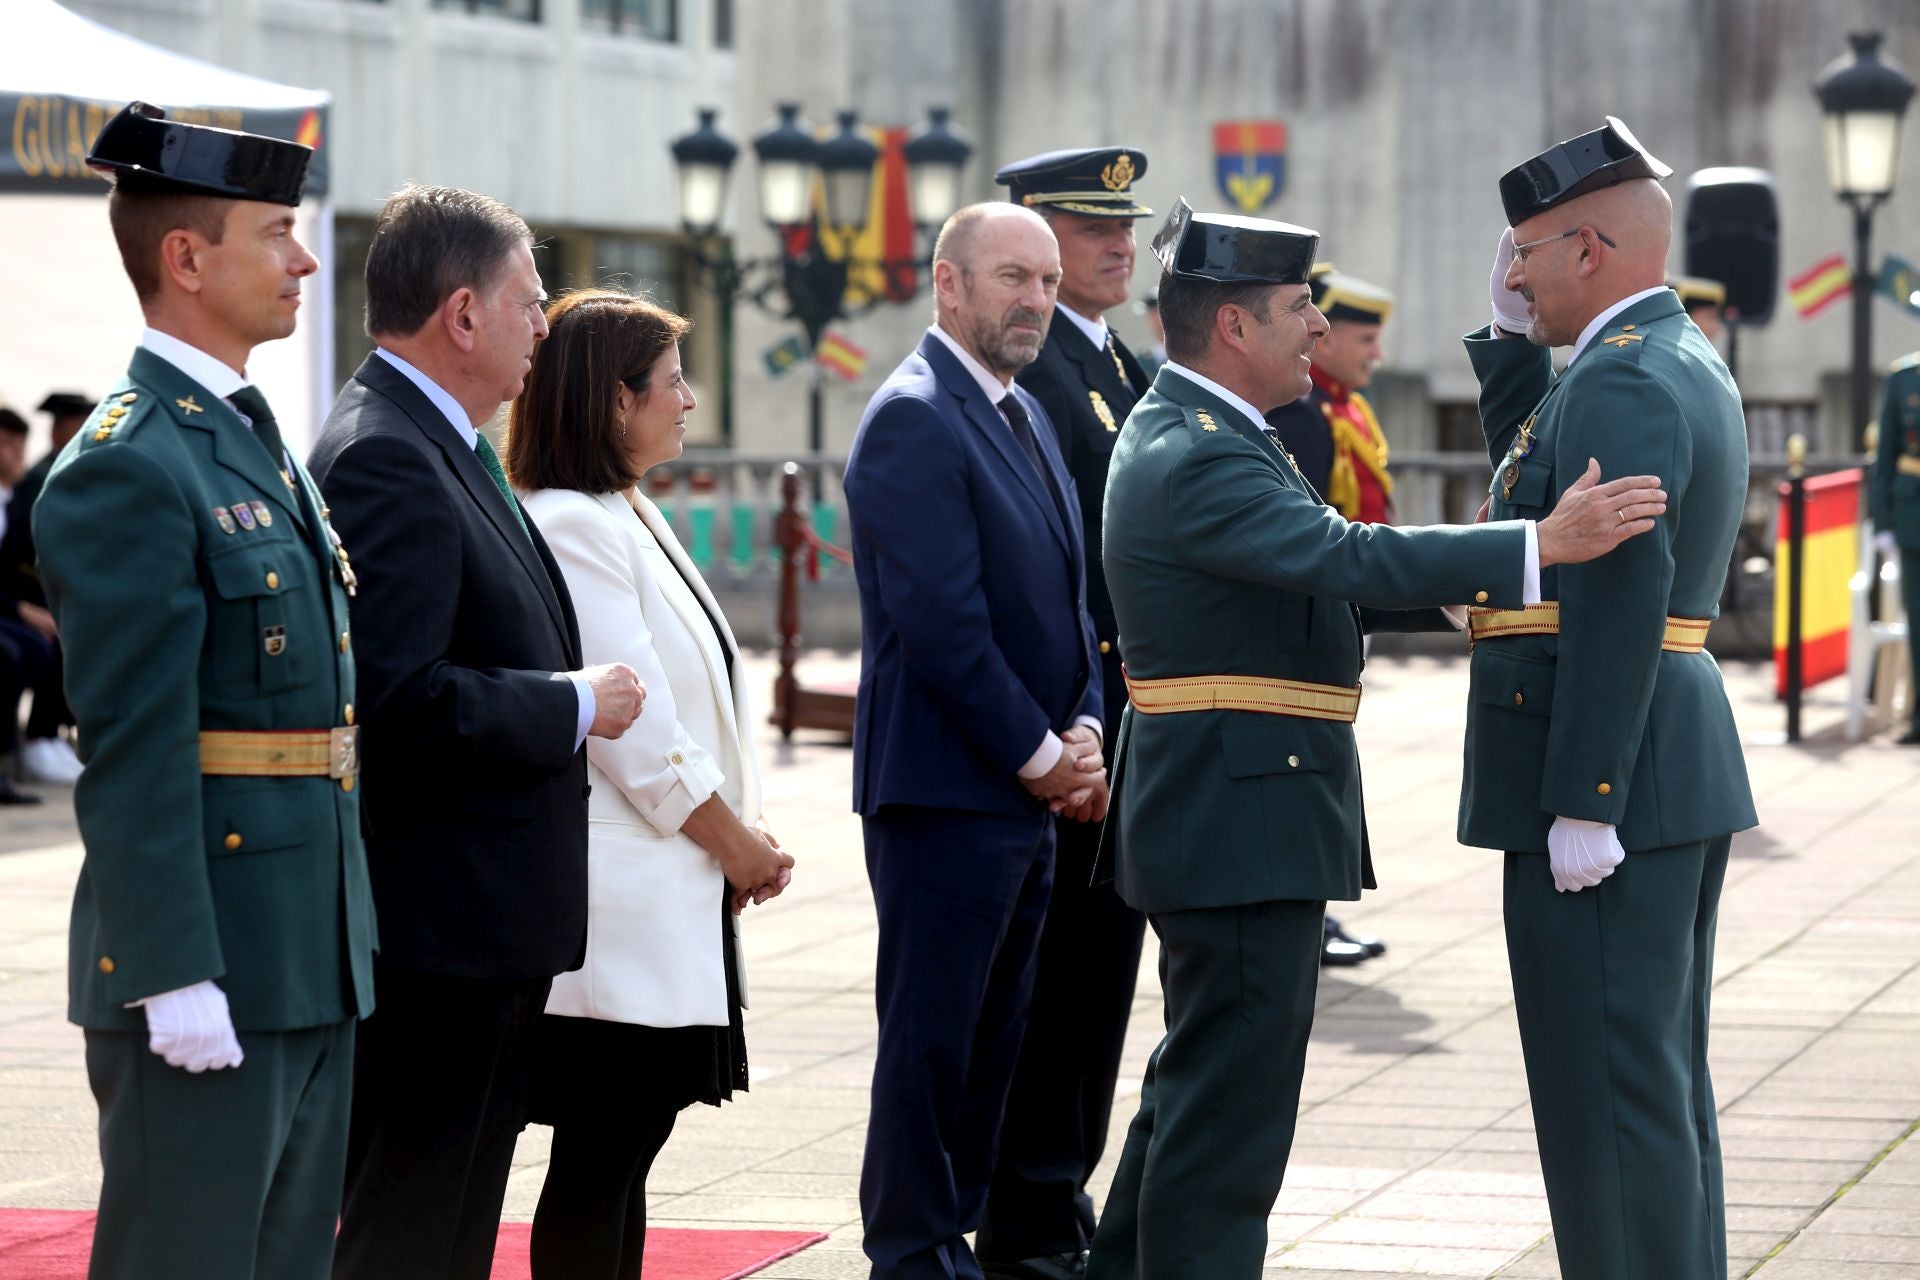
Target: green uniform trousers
(1612, 987)
(1207, 1150)
(224, 1175)
(1910, 601)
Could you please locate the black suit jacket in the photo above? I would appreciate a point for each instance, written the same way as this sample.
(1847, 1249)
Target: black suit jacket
(1068, 370)
(475, 802)
(19, 580)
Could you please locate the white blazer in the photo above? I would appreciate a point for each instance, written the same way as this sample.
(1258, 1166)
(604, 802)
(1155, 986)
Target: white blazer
(654, 896)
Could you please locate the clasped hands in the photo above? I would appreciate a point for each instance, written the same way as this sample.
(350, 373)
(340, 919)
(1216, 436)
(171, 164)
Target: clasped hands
(1076, 786)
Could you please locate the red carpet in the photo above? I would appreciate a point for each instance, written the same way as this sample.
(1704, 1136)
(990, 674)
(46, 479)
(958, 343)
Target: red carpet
(52, 1244)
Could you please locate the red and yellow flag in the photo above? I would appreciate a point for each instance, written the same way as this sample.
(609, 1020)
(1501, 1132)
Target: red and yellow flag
(1829, 559)
(842, 357)
(1820, 286)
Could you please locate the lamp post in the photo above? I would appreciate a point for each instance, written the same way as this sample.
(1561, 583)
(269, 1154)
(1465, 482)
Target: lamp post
(805, 283)
(1863, 97)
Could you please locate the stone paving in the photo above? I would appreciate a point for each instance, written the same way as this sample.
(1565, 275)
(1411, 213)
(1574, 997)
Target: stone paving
(1415, 1150)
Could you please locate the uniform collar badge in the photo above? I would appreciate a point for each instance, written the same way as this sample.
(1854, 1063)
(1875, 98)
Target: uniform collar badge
(187, 405)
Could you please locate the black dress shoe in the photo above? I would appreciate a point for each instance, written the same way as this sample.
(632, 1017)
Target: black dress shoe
(1335, 954)
(1911, 738)
(1055, 1266)
(1373, 946)
(10, 794)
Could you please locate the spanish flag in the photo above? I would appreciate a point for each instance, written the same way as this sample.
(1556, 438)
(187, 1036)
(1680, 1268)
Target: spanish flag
(841, 357)
(1828, 561)
(1820, 286)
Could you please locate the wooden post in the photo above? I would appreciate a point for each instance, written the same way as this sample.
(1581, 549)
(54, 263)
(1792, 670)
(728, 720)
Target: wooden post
(788, 536)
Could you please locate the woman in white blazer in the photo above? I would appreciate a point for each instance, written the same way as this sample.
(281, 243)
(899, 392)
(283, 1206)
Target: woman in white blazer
(651, 1022)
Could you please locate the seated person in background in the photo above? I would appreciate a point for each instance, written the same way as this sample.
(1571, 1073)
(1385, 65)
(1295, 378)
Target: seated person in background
(651, 1023)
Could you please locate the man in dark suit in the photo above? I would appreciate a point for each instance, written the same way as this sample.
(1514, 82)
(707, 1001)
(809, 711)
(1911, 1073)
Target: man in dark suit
(44, 755)
(474, 722)
(1039, 1218)
(978, 718)
(221, 946)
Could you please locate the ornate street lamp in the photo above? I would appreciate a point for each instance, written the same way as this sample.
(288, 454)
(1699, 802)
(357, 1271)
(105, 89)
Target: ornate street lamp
(701, 159)
(1864, 98)
(936, 156)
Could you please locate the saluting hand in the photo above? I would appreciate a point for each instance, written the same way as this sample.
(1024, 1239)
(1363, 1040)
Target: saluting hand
(618, 696)
(1592, 519)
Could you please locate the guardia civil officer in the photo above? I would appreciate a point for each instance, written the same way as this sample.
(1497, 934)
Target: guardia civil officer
(1237, 807)
(1705, 302)
(1601, 752)
(222, 931)
(1895, 498)
(1341, 451)
(1039, 1218)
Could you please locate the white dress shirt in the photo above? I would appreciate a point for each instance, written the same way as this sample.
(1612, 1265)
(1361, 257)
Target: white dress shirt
(1530, 577)
(1041, 762)
(457, 418)
(1095, 329)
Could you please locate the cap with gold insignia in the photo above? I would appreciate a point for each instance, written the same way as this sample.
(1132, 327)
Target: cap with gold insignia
(1230, 249)
(1343, 297)
(1095, 181)
(64, 404)
(1697, 291)
(147, 153)
(1567, 170)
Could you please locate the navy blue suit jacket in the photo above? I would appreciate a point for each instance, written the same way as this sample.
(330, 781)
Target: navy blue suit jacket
(974, 634)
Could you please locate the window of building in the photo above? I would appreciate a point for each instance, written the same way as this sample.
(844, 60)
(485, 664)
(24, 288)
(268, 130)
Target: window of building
(515, 10)
(652, 19)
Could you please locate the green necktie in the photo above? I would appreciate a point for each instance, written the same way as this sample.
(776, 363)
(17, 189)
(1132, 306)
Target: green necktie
(491, 461)
(249, 401)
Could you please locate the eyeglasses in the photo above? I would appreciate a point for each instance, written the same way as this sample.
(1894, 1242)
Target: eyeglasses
(1520, 251)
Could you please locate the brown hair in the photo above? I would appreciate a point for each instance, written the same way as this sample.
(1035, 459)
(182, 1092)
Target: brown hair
(1188, 308)
(142, 219)
(430, 242)
(562, 433)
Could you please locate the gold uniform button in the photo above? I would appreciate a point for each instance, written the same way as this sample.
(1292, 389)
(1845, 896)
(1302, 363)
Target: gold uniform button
(106, 964)
(343, 642)
(347, 711)
(1293, 762)
(1479, 597)
(1519, 699)
(677, 758)
(1605, 788)
(1106, 646)
(233, 840)
(346, 784)
(129, 397)
(273, 580)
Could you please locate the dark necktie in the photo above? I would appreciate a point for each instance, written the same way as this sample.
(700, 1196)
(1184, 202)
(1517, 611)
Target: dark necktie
(249, 401)
(491, 461)
(1023, 432)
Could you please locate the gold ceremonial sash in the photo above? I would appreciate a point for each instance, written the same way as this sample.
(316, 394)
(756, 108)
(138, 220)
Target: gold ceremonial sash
(1683, 635)
(291, 753)
(1244, 693)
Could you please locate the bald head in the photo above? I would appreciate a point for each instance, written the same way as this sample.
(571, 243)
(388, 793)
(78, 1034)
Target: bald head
(996, 272)
(1615, 246)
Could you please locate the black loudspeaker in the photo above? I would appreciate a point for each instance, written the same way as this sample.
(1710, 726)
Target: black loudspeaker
(1733, 236)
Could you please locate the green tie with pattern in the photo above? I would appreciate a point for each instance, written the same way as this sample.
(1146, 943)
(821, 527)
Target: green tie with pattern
(491, 461)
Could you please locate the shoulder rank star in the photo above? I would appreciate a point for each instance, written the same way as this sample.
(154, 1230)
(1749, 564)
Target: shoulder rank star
(1101, 411)
(1205, 420)
(188, 406)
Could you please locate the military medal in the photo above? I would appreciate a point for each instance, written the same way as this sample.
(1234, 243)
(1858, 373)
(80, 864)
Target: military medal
(244, 514)
(261, 514)
(1101, 411)
(1522, 446)
(348, 578)
(224, 518)
(275, 641)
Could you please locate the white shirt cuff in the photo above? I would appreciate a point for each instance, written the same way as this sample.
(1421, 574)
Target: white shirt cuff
(1041, 763)
(1092, 724)
(1530, 580)
(584, 721)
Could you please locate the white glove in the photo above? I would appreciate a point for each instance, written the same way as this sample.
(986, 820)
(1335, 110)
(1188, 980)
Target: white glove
(1888, 544)
(192, 1028)
(1582, 853)
(1509, 308)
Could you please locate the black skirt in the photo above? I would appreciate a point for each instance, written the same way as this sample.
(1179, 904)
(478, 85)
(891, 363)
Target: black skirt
(587, 1070)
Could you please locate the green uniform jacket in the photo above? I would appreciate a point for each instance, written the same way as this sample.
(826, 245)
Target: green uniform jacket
(1222, 562)
(178, 617)
(1895, 497)
(1599, 722)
